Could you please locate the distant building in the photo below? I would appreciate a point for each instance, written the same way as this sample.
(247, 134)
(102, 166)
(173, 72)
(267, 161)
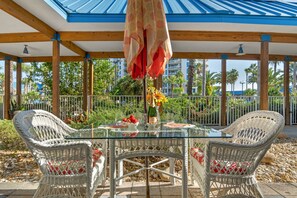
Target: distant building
(173, 66)
(121, 67)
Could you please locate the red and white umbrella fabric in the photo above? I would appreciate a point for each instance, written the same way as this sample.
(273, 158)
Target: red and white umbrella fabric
(147, 46)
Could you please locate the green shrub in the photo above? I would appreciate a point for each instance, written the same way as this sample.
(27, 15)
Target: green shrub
(99, 117)
(9, 138)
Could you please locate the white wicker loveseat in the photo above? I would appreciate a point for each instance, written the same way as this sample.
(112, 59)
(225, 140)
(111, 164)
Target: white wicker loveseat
(227, 169)
(69, 168)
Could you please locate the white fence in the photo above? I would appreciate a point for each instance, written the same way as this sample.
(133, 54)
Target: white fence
(293, 109)
(199, 109)
(205, 110)
(237, 106)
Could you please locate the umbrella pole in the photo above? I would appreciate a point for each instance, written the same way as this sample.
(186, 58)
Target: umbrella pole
(147, 183)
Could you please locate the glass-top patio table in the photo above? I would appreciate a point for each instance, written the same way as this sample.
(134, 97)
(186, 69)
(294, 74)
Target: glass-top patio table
(166, 140)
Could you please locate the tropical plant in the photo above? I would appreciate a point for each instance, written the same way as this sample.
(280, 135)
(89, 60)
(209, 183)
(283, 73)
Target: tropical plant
(180, 79)
(211, 79)
(250, 92)
(104, 76)
(232, 77)
(128, 86)
(9, 138)
(253, 77)
(71, 74)
(247, 72)
(170, 80)
(274, 64)
(191, 73)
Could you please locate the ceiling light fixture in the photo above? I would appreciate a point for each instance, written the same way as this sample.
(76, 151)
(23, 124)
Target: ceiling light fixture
(26, 51)
(240, 50)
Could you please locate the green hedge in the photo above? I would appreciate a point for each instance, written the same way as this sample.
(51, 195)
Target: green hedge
(9, 138)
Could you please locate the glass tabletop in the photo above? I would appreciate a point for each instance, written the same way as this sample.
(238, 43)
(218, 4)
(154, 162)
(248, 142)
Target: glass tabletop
(163, 130)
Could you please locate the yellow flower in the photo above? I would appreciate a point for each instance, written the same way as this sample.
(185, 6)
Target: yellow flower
(155, 96)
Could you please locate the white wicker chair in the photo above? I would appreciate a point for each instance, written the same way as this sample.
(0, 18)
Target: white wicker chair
(68, 167)
(227, 169)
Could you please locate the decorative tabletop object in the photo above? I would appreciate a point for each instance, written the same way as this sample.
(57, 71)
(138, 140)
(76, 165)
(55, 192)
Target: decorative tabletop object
(155, 99)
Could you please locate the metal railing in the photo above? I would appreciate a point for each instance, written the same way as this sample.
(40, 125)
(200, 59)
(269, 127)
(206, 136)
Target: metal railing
(71, 107)
(199, 109)
(237, 106)
(205, 110)
(277, 103)
(36, 102)
(293, 109)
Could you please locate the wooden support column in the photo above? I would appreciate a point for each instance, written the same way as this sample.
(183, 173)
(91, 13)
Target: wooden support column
(19, 82)
(56, 78)
(158, 83)
(91, 83)
(85, 85)
(7, 96)
(264, 58)
(224, 93)
(287, 90)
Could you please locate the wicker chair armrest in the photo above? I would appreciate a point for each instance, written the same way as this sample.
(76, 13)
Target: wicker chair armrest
(233, 153)
(64, 144)
(75, 154)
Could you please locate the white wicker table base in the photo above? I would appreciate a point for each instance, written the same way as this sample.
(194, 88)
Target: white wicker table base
(115, 156)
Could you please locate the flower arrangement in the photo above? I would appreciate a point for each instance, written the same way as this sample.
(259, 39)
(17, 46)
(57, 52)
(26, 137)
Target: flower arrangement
(155, 98)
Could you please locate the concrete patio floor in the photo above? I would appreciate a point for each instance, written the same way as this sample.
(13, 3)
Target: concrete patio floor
(158, 190)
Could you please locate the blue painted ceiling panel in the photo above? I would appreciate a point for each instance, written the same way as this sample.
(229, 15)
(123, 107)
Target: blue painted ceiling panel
(205, 9)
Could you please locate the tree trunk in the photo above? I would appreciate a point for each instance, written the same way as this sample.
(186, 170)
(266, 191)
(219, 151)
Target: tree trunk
(258, 79)
(294, 76)
(11, 78)
(204, 78)
(275, 65)
(190, 77)
(246, 80)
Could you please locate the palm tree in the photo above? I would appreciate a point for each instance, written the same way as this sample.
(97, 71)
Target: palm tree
(275, 82)
(253, 77)
(204, 66)
(211, 79)
(171, 80)
(192, 63)
(275, 64)
(247, 72)
(232, 77)
(293, 73)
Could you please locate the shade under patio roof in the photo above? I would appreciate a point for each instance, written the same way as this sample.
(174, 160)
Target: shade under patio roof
(208, 16)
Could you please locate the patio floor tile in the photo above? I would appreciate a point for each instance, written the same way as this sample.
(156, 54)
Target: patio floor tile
(266, 190)
(284, 189)
(157, 190)
(5, 192)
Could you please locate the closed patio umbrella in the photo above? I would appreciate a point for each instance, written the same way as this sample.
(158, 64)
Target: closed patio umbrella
(147, 46)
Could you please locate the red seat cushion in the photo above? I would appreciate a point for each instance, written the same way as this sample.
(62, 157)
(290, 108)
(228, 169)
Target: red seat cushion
(220, 166)
(70, 168)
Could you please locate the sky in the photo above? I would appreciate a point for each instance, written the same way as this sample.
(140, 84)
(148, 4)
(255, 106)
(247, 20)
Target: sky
(215, 66)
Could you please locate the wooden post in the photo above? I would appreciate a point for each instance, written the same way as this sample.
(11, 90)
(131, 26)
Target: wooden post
(287, 90)
(264, 58)
(7, 96)
(224, 93)
(85, 85)
(91, 84)
(19, 82)
(56, 78)
(158, 83)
